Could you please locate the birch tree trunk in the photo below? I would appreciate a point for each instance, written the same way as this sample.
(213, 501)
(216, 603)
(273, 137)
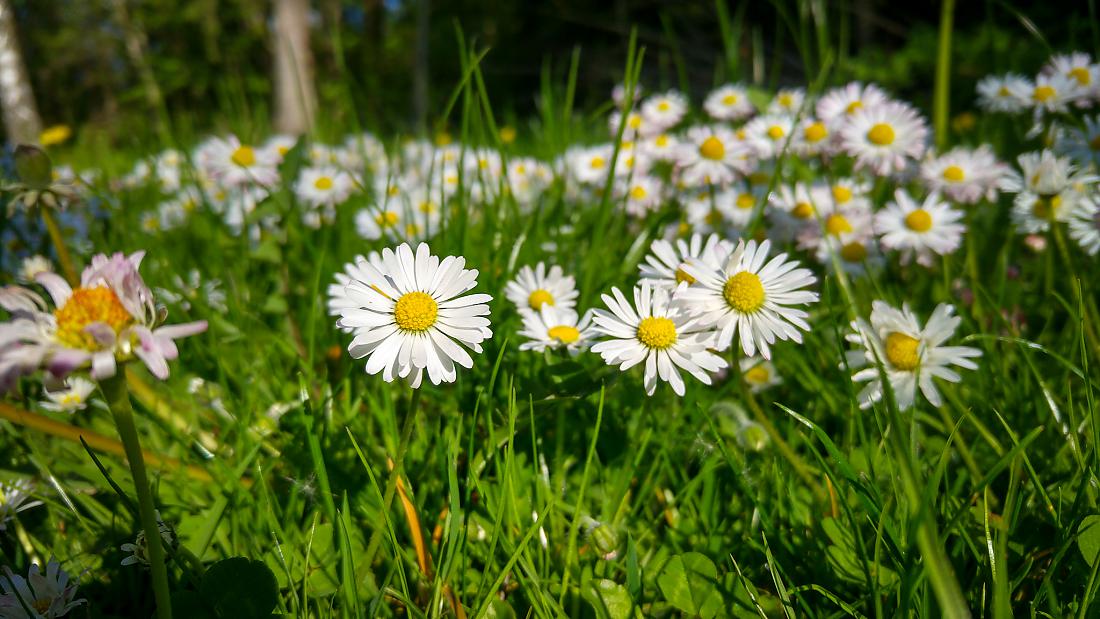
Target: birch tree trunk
(21, 120)
(295, 97)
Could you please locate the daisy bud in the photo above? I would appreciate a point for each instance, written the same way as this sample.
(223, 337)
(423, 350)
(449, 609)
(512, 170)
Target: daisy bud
(603, 538)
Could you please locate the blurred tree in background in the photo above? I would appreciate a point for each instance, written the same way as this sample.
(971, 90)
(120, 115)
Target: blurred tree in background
(115, 69)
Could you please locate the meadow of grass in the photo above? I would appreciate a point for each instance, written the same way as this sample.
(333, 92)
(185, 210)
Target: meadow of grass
(544, 484)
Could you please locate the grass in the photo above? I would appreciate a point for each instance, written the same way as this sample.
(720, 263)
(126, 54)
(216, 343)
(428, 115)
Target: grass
(540, 485)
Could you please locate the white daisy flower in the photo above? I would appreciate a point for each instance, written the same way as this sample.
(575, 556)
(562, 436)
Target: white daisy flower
(323, 186)
(590, 165)
(707, 213)
(50, 594)
(919, 230)
(653, 331)
(634, 127)
(857, 254)
(31, 267)
(641, 194)
(911, 355)
(884, 138)
(338, 299)
(729, 102)
(664, 111)
(665, 262)
(1084, 225)
(660, 147)
(787, 101)
(1081, 144)
(1046, 174)
(997, 93)
(834, 219)
(14, 498)
(139, 549)
(739, 202)
(812, 137)
(110, 318)
(534, 288)
(71, 397)
(554, 327)
(712, 156)
(749, 298)
(769, 134)
(1032, 213)
(1049, 94)
(233, 164)
(963, 175)
(280, 145)
(835, 106)
(759, 374)
(1077, 66)
(412, 315)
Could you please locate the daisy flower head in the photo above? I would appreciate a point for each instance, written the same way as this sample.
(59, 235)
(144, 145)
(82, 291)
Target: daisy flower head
(834, 218)
(338, 299)
(839, 104)
(709, 211)
(857, 254)
(323, 186)
(665, 262)
(641, 194)
(792, 210)
(884, 138)
(911, 355)
(234, 164)
(50, 595)
(712, 156)
(998, 93)
(655, 332)
(553, 327)
(589, 165)
(664, 111)
(729, 102)
(139, 549)
(280, 145)
(922, 230)
(787, 102)
(110, 318)
(660, 147)
(739, 203)
(769, 134)
(1082, 145)
(812, 137)
(1047, 174)
(963, 175)
(71, 397)
(759, 374)
(749, 296)
(32, 266)
(1084, 225)
(536, 287)
(1049, 94)
(14, 498)
(1033, 213)
(1077, 66)
(634, 126)
(413, 313)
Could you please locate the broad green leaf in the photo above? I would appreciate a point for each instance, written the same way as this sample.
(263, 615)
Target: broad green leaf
(609, 599)
(240, 588)
(1088, 539)
(689, 582)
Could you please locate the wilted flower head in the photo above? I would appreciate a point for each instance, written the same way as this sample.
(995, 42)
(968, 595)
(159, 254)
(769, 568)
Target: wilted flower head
(109, 318)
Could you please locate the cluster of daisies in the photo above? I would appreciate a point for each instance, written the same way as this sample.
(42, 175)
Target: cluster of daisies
(408, 312)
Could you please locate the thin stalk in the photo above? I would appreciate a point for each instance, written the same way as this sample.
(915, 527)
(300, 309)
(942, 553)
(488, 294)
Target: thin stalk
(118, 399)
(395, 474)
(59, 246)
(942, 86)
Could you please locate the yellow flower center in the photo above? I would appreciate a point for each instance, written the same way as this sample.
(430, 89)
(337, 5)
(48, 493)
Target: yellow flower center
(415, 311)
(757, 375)
(1045, 206)
(539, 298)
(596, 163)
(1042, 94)
(682, 276)
(638, 193)
(42, 605)
(244, 156)
(881, 134)
(654, 332)
(1081, 74)
(87, 306)
(803, 210)
(1003, 91)
(853, 106)
(841, 194)
(785, 100)
(815, 132)
(442, 138)
(729, 99)
(507, 135)
(954, 174)
(713, 218)
(775, 132)
(837, 224)
(712, 148)
(663, 106)
(919, 221)
(661, 141)
(323, 183)
(853, 252)
(745, 201)
(902, 351)
(564, 334)
(634, 121)
(744, 292)
(386, 219)
(759, 178)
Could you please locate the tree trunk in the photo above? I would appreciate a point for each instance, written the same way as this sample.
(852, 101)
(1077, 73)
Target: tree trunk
(21, 120)
(295, 97)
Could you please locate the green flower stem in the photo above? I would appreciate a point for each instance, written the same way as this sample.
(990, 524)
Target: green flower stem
(118, 398)
(395, 474)
(59, 246)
